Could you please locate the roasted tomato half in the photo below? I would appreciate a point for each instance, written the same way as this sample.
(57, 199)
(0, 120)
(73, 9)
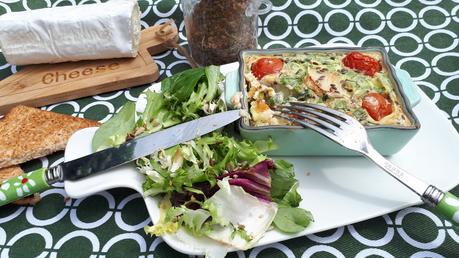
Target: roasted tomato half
(362, 63)
(377, 106)
(265, 66)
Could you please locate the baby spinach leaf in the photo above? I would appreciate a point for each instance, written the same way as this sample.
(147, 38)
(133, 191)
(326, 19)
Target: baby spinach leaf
(282, 179)
(292, 198)
(182, 84)
(292, 220)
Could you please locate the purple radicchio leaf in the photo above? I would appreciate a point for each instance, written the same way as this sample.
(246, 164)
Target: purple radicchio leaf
(255, 180)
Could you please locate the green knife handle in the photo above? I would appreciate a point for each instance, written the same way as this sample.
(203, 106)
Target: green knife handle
(449, 208)
(24, 185)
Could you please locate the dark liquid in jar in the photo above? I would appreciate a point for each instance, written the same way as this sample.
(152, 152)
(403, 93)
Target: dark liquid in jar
(217, 30)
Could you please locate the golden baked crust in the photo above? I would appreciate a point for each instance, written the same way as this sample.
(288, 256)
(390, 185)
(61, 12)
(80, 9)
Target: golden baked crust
(28, 133)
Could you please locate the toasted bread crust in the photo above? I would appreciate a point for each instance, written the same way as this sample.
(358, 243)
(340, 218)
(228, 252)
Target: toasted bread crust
(28, 133)
(8, 172)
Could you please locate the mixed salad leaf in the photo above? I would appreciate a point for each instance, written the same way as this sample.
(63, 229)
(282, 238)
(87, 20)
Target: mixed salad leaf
(225, 189)
(185, 96)
(214, 186)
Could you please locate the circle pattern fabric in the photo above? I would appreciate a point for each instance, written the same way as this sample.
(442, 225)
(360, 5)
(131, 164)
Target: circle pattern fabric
(421, 36)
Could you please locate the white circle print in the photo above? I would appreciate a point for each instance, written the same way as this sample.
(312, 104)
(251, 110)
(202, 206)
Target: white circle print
(283, 16)
(372, 252)
(426, 254)
(444, 87)
(373, 11)
(39, 231)
(307, 6)
(322, 248)
(441, 234)
(122, 237)
(407, 35)
(74, 234)
(45, 222)
(375, 243)
(88, 225)
(445, 32)
(427, 69)
(284, 249)
(327, 239)
(404, 10)
(438, 58)
(438, 9)
(13, 215)
(2, 236)
(304, 13)
(345, 31)
(119, 219)
(374, 4)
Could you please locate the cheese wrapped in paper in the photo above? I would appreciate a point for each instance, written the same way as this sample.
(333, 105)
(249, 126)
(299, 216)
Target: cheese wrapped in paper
(71, 33)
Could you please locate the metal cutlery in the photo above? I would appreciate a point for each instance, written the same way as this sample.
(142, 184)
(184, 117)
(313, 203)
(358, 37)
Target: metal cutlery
(350, 133)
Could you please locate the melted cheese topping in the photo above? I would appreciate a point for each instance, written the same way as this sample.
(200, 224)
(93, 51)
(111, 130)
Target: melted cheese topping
(318, 78)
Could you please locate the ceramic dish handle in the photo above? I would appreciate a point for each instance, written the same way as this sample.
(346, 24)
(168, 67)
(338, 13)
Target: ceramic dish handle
(408, 86)
(22, 186)
(449, 208)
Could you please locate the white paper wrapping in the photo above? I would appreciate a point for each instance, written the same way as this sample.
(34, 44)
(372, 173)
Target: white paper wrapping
(71, 33)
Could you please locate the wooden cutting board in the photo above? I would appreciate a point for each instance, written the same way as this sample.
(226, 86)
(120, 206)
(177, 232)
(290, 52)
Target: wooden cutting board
(44, 84)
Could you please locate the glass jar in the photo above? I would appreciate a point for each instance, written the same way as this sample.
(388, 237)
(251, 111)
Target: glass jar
(217, 30)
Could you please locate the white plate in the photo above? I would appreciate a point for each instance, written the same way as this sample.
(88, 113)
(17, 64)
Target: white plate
(338, 191)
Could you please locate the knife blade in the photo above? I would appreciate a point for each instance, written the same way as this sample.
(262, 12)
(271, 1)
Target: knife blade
(143, 146)
(40, 180)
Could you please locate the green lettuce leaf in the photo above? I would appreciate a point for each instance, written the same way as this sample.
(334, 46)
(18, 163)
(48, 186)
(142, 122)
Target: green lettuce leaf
(194, 220)
(167, 224)
(115, 130)
(213, 78)
(154, 112)
(162, 228)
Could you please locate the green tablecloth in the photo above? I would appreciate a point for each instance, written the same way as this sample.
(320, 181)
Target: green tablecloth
(421, 37)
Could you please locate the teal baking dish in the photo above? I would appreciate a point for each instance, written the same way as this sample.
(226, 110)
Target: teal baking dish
(297, 141)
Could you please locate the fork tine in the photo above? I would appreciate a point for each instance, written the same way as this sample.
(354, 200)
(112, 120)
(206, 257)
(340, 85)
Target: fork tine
(326, 109)
(316, 113)
(309, 125)
(315, 119)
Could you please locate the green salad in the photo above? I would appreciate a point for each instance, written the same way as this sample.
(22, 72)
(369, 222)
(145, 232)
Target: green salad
(214, 186)
(185, 96)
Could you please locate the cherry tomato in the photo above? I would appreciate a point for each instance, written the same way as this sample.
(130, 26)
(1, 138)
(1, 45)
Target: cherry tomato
(362, 63)
(265, 66)
(377, 105)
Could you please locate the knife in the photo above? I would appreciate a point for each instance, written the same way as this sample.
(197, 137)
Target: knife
(39, 180)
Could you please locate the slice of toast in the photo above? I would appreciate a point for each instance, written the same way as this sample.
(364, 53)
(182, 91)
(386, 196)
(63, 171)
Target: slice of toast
(28, 133)
(13, 171)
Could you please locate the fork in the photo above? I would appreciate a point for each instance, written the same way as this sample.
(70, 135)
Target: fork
(350, 133)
